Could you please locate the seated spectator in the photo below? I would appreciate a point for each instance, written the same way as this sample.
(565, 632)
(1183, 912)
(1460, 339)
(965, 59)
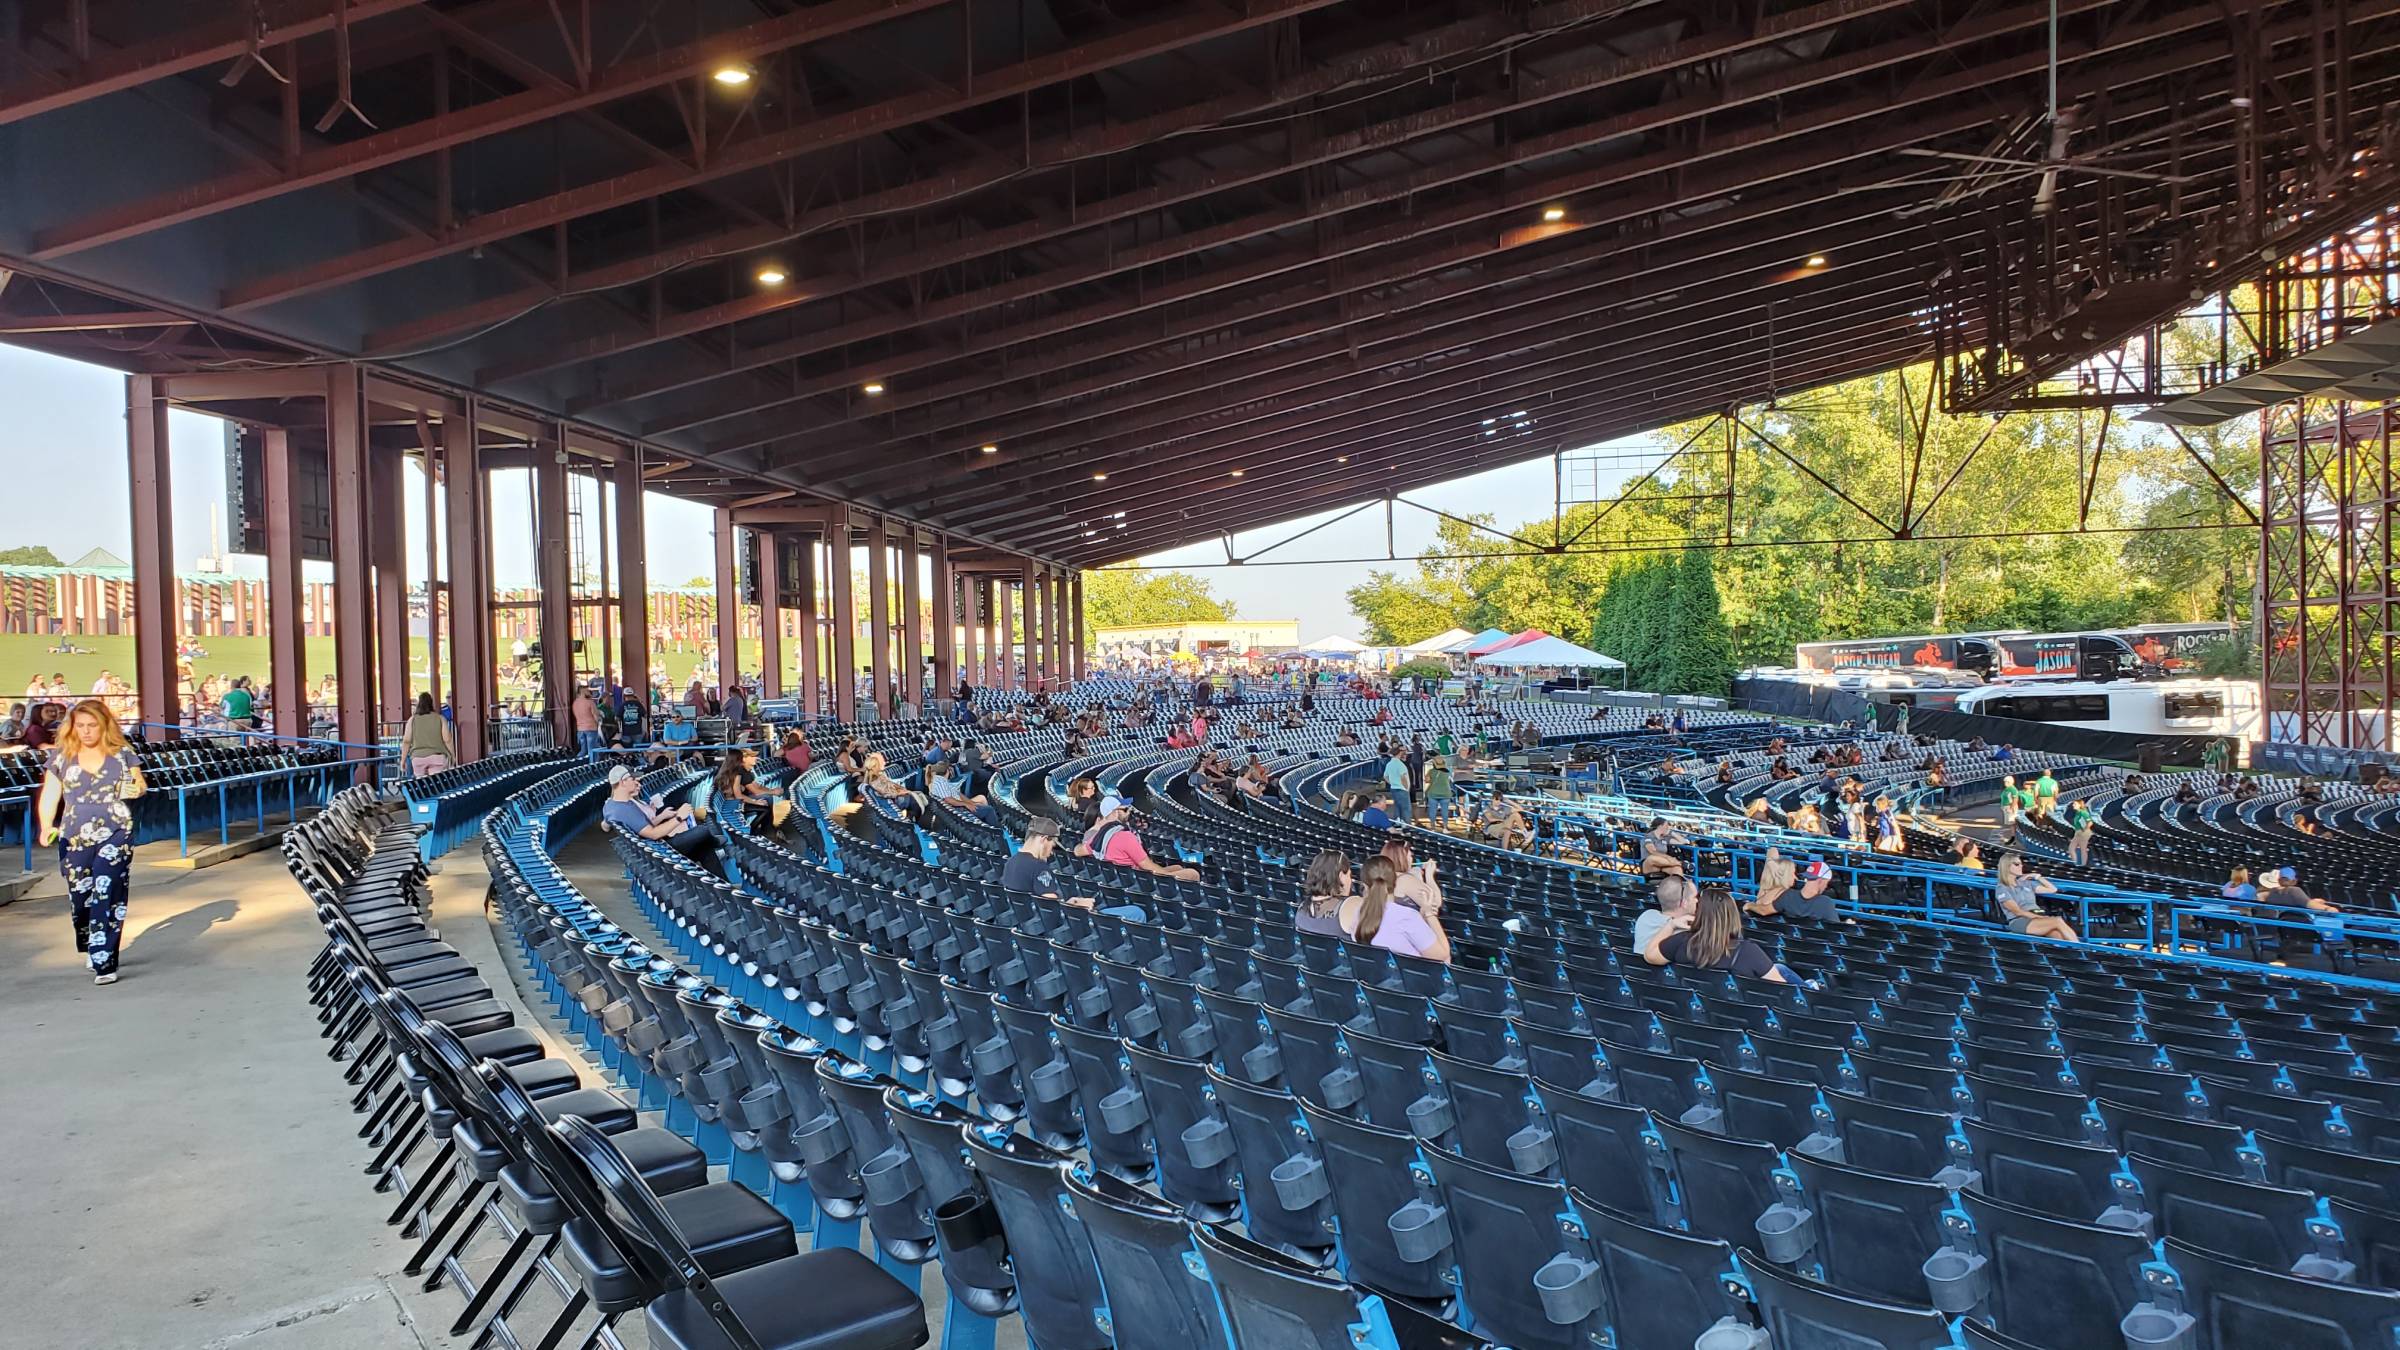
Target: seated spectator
(737, 788)
(943, 785)
(1378, 815)
(795, 751)
(1372, 916)
(1658, 850)
(2237, 887)
(2016, 894)
(1806, 894)
(1756, 810)
(2287, 892)
(905, 801)
(679, 829)
(1710, 938)
(1413, 882)
(1114, 840)
(1027, 872)
(1328, 885)
(1672, 898)
(1965, 852)
(1503, 824)
(1775, 876)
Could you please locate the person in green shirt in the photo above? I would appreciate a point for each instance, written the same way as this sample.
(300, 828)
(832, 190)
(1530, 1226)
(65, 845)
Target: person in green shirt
(2014, 802)
(2045, 795)
(1438, 790)
(1443, 745)
(240, 706)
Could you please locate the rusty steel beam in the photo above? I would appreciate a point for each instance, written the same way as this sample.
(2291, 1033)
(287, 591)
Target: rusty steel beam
(951, 183)
(333, 163)
(220, 42)
(1474, 386)
(1196, 23)
(1431, 330)
(1296, 155)
(1961, 114)
(1369, 437)
(1294, 496)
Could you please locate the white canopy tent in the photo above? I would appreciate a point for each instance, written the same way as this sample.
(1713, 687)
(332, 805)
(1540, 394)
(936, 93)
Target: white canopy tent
(1335, 644)
(1550, 651)
(1438, 643)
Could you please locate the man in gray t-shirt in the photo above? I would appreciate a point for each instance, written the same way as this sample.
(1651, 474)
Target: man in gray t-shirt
(1674, 895)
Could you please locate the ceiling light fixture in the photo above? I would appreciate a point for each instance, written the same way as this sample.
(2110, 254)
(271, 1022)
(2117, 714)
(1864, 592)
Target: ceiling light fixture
(1341, 459)
(1100, 477)
(991, 449)
(871, 387)
(1237, 473)
(731, 76)
(771, 276)
(1816, 260)
(1554, 214)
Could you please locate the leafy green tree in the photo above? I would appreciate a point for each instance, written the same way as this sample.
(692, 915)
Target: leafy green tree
(1697, 649)
(1396, 611)
(1127, 598)
(29, 555)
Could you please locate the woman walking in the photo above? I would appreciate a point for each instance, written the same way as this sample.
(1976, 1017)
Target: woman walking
(426, 747)
(82, 810)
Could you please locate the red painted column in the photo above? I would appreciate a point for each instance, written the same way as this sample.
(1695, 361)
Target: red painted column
(879, 614)
(1004, 638)
(287, 598)
(633, 579)
(912, 625)
(1037, 666)
(391, 585)
(945, 619)
(466, 518)
(971, 642)
(154, 626)
(845, 617)
(1075, 626)
(555, 613)
(432, 457)
(770, 612)
(729, 603)
(811, 631)
(353, 583)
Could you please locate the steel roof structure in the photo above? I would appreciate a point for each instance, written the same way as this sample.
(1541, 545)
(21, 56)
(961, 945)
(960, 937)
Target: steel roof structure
(1085, 279)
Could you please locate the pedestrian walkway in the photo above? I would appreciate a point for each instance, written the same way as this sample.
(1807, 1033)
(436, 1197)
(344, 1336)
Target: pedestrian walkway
(181, 1170)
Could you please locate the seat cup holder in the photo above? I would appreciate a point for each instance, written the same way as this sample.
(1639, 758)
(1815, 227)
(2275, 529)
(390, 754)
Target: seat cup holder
(1957, 1280)
(2151, 1327)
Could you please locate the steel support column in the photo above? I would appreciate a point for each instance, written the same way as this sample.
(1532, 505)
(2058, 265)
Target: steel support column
(971, 642)
(287, 653)
(466, 517)
(845, 616)
(812, 631)
(557, 614)
(1075, 610)
(390, 548)
(633, 580)
(1060, 670)
(945, 620)
(729, 604)
(1004, 638)
(769, 571)
(912, 626)
(432, 459)
(155, 601)
(353, 584)
(879, 615)
(1029, 592)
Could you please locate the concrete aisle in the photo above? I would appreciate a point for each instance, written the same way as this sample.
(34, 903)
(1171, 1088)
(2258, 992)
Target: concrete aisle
(182, 1168)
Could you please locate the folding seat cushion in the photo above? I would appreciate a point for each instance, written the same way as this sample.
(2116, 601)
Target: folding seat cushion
(1156, 1296)
(2237, 1306)
(1527, 1273)
(1799, 1312)
(1272, 1302)
(726, 1226)
(2198, 1145)
(1869, 1233)
(807, 1302)
(2264, 1225)
(1722, 1184)
(2046, 1280)
(1660, 1287)
(1195, 1146)
(1373, 1175)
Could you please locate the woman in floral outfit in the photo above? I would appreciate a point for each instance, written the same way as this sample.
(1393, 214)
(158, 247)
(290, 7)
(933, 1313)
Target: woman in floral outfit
(83, 810)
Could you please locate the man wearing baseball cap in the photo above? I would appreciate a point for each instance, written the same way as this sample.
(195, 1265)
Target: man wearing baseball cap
(679, 829)
(1027, 871)
(1113, 840)
(2288, 891)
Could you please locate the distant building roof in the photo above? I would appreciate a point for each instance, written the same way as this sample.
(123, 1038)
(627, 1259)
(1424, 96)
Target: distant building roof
(100, 559)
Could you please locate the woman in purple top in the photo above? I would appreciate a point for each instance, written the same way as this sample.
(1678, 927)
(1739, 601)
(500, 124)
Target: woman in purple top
(1372, 917)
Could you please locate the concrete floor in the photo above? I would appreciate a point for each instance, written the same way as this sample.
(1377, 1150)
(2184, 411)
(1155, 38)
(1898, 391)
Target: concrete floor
(182, 1165)
(182, 1168)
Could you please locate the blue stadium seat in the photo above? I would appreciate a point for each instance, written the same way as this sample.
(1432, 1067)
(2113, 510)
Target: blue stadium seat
(1286, 1198)
(1195, 1148)
(1270, 1302)
(1391, 1233)
(2049, 1176)
(2234, 1306)
(1155, 1289)
(2041, 1279)
(1721, 1185)
(1868, 1233)
(1527, 1273)
(2264, 1225)
(1801, 1314)
(1663, 1287)
(1606, 1150)
(1048, 1251)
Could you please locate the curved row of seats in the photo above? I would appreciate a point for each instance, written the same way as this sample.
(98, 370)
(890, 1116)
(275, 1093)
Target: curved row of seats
(1669, 1118)
(612, 1216)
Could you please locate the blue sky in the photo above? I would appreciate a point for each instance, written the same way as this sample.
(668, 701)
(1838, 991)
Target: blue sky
(64, 414)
